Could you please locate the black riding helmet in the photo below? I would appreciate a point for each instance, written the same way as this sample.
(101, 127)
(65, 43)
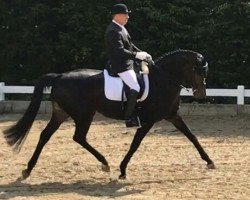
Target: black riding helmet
(120, 9)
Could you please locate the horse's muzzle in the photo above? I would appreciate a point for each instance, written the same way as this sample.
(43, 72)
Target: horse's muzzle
(200, 91)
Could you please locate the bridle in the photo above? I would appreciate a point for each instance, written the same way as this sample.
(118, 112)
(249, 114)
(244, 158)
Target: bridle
(201, 71)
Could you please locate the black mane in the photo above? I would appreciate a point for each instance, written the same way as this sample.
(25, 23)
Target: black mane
(173, 53)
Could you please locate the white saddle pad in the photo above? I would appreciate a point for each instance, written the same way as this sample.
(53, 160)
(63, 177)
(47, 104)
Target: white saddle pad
(113, 87)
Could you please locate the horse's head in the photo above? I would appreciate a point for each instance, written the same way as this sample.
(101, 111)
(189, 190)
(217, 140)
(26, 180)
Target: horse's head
(195, 73)
(186, 66)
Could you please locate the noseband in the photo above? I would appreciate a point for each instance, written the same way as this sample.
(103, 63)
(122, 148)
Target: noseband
(201, 71)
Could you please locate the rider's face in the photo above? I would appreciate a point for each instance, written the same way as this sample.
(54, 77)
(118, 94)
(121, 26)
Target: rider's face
(121, 18)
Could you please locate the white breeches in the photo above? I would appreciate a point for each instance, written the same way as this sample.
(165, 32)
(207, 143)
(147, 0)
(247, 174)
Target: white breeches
(129, 77)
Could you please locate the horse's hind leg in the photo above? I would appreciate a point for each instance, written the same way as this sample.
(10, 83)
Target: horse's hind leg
(58, 116)
(81, 131)
(178, 122)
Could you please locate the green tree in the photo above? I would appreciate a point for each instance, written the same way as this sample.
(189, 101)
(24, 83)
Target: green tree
(44, 36)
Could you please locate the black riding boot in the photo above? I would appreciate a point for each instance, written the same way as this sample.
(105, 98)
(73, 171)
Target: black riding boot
(130, 119)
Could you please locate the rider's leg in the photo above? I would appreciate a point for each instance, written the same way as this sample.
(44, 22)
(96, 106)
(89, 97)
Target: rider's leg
(129, 77)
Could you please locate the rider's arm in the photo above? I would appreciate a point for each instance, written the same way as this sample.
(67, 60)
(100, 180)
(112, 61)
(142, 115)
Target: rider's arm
(135, 48)
(116, 46)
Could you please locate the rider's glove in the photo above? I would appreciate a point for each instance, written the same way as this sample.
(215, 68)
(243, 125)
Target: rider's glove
(142, 55)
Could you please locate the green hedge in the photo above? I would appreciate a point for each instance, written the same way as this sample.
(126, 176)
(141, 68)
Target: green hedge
(38, 37)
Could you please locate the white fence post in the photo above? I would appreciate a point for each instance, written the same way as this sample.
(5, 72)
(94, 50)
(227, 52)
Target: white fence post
(2, 95)
(240, 95)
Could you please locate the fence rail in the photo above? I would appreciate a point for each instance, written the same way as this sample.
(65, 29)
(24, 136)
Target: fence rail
(240, 93)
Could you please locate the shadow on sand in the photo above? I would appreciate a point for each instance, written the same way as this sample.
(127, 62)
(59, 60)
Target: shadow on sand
(112, 189)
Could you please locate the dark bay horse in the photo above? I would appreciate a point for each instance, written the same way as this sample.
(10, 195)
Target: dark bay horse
(79, 94)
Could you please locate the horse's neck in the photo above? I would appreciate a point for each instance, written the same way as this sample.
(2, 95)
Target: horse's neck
(165, 90)
(166, 78)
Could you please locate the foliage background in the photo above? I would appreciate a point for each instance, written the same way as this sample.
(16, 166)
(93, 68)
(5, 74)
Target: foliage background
(41, 36)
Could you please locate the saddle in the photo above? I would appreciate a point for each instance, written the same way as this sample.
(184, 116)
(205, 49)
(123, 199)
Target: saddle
(116, 90)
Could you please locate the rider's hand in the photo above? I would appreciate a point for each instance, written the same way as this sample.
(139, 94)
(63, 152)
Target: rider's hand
(142, 55)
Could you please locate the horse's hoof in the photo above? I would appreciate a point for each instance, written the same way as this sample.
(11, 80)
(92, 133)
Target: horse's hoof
(211, 166)
(20, 179)
(122, 177)
(105, 168)
(25, 175)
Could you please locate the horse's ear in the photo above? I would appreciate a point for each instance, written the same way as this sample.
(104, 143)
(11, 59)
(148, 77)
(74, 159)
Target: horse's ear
(200, 58)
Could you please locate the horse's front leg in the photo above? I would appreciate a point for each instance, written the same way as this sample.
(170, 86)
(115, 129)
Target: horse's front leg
(139, 135)
(178, 122)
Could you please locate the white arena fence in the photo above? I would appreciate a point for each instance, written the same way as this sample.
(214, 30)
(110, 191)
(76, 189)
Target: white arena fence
(240, 93)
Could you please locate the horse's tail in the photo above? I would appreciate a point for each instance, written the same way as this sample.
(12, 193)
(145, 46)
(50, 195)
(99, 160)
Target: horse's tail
(16, 134)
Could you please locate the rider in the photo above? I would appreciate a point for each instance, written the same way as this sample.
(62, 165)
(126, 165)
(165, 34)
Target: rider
(122, 53)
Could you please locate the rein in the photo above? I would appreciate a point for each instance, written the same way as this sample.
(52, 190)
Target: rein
(170, 79)
(166, 80)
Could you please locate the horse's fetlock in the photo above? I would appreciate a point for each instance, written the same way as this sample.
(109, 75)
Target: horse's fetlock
(105, 168)
(79, 140)
(76, 138)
